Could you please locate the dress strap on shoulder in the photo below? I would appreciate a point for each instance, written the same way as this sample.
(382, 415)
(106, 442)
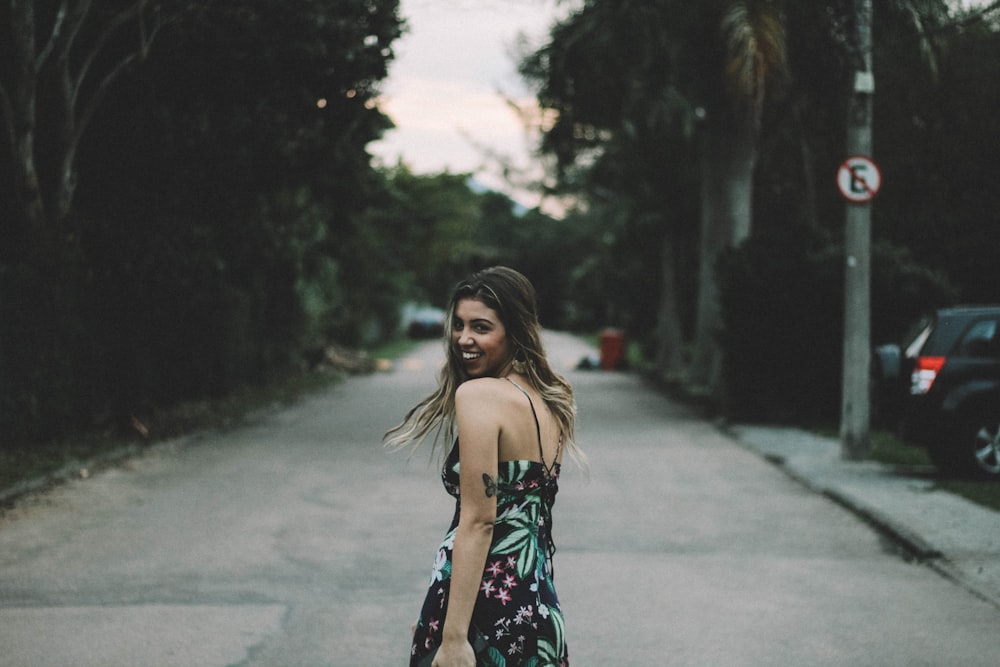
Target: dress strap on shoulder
(538, 430)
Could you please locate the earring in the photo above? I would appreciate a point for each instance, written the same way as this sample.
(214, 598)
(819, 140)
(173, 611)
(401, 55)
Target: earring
(520, 367)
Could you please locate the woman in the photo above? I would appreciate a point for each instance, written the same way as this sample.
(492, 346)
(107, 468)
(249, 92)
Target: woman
(491, 596)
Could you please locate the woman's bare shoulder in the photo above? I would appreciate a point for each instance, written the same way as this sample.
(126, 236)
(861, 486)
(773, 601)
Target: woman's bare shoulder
(482, 389)
(488, 392)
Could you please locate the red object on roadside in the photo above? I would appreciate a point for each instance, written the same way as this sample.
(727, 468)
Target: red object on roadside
(612, 346)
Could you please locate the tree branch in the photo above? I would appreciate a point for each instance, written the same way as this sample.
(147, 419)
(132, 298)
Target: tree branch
(146, 37)
(50, 46)
(926, 46)
(74, 20)
(967, 19)
(116, 22)
(978, 15)
(983, 11)
(7, 111)
(149, 35)
(102, 89)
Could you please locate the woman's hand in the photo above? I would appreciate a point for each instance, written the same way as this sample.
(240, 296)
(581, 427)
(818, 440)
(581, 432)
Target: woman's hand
(455, 654)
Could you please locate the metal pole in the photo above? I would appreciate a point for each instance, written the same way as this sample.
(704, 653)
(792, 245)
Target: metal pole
(855, 409)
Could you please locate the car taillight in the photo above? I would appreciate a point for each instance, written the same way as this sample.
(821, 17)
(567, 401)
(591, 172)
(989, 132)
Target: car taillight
(925, 371)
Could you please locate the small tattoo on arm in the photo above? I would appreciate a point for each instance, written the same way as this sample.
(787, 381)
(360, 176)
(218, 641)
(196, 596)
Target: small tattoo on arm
(491, 485)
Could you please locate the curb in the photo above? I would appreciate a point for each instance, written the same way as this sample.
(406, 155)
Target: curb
(915, 545)
(912, 544)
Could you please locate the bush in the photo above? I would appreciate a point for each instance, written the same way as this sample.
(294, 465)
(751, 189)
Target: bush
(45, 347)
(782, 311)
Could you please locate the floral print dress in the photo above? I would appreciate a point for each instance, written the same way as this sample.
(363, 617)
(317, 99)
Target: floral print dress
(516, 608)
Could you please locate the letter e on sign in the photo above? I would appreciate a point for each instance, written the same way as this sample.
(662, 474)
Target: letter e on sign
(859, 179)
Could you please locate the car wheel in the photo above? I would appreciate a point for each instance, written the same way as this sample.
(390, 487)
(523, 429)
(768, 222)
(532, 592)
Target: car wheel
(973, 450)
(986, 446)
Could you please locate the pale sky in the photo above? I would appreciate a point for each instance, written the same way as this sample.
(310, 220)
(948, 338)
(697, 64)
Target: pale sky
(443, 90)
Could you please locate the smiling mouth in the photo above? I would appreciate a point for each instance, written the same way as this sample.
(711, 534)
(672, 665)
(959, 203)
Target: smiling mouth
(469, 356)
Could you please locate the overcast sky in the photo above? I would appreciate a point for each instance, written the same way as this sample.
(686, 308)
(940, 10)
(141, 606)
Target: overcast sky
(443, 91)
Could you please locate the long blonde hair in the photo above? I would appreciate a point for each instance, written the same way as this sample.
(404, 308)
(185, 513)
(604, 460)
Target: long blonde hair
(512, 297)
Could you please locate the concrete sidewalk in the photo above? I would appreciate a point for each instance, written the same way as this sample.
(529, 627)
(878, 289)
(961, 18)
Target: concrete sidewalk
(952, 535)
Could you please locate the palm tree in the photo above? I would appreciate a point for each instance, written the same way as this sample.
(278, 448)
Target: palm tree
(752, 63)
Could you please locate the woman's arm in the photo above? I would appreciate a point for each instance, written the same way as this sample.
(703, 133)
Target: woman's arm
(478, 413)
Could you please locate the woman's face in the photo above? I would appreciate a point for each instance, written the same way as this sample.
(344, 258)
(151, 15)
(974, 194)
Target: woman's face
(480, 339)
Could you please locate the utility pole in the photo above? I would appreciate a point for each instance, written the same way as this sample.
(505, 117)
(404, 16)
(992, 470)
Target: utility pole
(855, 420)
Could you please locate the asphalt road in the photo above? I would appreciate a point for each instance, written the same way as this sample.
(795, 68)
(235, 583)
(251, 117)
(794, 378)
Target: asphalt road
(298, 541)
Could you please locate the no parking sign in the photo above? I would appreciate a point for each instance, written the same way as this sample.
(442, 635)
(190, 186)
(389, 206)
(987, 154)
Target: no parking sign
(859, 179)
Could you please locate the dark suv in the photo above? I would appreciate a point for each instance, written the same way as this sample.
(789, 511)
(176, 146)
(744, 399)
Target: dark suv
(945, 387)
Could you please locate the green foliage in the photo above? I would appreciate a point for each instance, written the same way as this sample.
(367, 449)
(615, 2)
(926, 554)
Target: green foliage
(616, 69)
(220, 225)
(438, 229)
(783, 320)
(44, 340)
(903, 290)
(937, 142)
(889, 449)
(627, 83)
(429, 226)
(986, 493)
(625, 91)
(782, 315)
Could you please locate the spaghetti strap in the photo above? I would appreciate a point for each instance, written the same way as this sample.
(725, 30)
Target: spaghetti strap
(538, 431)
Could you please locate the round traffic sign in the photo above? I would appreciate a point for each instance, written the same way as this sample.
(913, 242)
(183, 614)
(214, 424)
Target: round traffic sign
(859, 179)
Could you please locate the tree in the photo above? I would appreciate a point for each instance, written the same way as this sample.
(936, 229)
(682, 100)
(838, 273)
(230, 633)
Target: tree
(749, 66)
(629, 77)
(616, 76)
(219, 204)
(52, 87)
(936, 137)
(228, 186)
(431, 230)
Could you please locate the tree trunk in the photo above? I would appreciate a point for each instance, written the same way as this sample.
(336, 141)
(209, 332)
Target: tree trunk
(810, 208)
(23, 95)
(669, 339)
(62, 66)
(64, 167)
(728, 159)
